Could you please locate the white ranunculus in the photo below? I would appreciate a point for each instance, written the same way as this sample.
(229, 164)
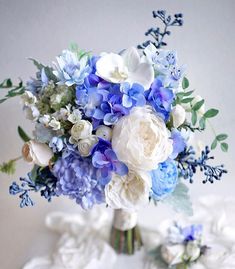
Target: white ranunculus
(28, 98)
(85, 145)
(141, 139)
(128, 192)
(75, 116)
(81, 130)
(178, 115)
(36, 152)
(54, 124)
(125, 67)
(104, 132)
(172, 254)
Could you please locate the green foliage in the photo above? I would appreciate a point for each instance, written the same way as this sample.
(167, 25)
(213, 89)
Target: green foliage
(180, 200)
(185, 83)
(23, 134)
(8, 167)
(219, 139)
(13, 90)
(211, 113)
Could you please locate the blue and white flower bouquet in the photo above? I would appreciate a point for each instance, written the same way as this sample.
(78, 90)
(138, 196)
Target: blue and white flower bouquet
(115, 129)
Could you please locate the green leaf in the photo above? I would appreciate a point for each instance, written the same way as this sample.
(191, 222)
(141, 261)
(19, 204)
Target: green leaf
(211, 113)
(202, 123)
(7, 83)
(37, 64)
(180, 200)
(3, 100)
(221, 137)
(198, 105)
(183, 94)
(214, 144)
(224, 147)
(187, 100)
(194, 117)
(185, 83)
(23, 134)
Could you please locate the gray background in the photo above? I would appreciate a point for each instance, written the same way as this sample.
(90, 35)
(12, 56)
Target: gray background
(41, 29)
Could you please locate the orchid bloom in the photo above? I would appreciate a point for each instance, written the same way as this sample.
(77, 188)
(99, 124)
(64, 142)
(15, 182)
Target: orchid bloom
(126, 67)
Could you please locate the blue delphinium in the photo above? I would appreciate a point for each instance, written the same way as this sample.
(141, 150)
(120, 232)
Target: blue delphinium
(56, 144)
(70, 69)
(132, 95)
(77, 179)
(164, 179)
(160, 98)
(35, 85)
(179, 143)
(105, 160)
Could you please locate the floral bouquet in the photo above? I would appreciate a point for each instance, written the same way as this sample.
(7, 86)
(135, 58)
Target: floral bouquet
(115, 129)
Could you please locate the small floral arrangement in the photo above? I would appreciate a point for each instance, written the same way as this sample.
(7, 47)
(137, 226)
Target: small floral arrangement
(182, 249)
(114, 128)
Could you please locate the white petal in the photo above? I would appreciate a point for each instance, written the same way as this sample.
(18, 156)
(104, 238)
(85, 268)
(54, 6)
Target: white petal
(143, 75)
(106, 66)
(131, 58)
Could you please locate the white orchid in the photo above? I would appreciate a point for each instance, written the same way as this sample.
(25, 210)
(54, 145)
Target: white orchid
(126, 67)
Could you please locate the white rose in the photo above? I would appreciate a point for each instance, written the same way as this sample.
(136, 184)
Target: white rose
(28, 98)
(54, 124)
(38, 153)
(172, 254)
(85, 145)
(128, 192)
(192, 251)
(81, 130)
(178, 115)
(141, 139)
(104, 132)
(75, 116)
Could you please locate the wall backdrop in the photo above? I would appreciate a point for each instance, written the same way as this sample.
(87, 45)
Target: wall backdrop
(41, 29)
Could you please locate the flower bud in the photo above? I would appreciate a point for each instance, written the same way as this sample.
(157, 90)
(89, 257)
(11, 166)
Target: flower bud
(178, 115)
(104, 132)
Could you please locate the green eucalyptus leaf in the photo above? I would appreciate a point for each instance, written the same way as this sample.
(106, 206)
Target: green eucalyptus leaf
(7, 83)
(211, 113)
(194, 117)
(37, 64)
(23, 134)
(202, 123)
(187, 100)
(198, 105)
(3, 100)
(185, 83)
(214, 144)
(221, 137)
(224, 147)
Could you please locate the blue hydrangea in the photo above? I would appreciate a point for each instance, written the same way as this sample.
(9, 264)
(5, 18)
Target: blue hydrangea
(160, 98)
(179, 143)
(77, 179)
(70, 70)
(56, 144)
(164, 179)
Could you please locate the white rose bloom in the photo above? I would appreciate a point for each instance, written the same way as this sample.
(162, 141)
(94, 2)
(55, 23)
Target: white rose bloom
(85, 145)
(81, 130)
(38, 153)
(75, 116)
(54, 124)
(178, 114)
(172, 254)
(141, 139)
(32, 113)
(128, 192)
(28, 98)
(125, 67)
(104, 132)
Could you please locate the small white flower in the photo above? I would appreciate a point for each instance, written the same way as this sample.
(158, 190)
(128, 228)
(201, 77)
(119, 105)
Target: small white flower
(38, 153)
(31, 112)
(81, 130)
(54, 124)
(28, 98)
(192, 251)
(85, 145)
(178, 114)
(141, 139)
(172, 254)
(45, 119)
(125, 67)
(75, 116)
(104, 132)
(128, 192)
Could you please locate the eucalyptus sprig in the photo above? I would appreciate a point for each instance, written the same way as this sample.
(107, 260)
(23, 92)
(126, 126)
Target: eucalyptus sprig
(13, 90)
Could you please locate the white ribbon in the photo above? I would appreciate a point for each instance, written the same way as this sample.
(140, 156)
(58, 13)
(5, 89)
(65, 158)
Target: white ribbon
(124, 220)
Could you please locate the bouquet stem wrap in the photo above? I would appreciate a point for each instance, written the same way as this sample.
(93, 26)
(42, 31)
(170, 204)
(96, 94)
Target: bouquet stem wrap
(125, 234)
